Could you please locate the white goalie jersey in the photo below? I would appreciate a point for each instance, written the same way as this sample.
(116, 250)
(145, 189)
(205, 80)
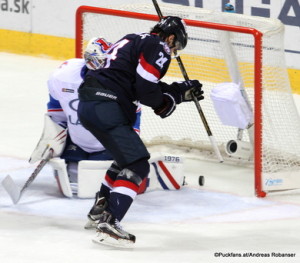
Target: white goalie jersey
(63, 87)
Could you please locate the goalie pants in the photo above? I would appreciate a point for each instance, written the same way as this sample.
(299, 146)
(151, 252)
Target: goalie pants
(73, 153)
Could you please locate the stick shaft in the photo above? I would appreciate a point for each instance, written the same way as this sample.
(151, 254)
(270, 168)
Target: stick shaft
(13, 190)
(198, 106)
(158, 11)
(34, 175)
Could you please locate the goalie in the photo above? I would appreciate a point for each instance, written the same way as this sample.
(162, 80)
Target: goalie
(80, 144)
(76, 146)
(62, 108)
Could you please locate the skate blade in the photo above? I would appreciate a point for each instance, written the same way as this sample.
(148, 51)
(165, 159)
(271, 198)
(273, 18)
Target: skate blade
(107, 240)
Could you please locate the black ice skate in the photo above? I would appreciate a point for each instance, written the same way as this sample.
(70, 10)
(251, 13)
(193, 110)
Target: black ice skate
(110, 232)
(96, 211)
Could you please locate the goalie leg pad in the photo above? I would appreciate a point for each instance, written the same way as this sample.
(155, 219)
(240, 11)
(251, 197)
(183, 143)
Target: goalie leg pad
(92, 173)
(61, 175)
(167, 172)
(90, 176)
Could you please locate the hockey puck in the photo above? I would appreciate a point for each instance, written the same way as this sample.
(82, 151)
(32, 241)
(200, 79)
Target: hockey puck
(201, 180)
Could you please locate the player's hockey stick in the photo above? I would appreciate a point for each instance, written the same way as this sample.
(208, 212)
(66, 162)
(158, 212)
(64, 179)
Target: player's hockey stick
(15, 191)
(200, 111)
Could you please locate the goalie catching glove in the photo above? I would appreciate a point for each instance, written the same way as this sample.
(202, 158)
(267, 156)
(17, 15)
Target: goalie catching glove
(176, 93)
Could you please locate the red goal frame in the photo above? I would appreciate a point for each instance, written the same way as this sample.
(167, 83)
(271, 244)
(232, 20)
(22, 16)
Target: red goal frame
(238, 29)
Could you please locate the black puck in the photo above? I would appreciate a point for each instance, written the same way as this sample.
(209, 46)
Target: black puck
(201, 180)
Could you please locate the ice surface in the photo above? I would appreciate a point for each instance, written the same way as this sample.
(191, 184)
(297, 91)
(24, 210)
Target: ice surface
(190, 225)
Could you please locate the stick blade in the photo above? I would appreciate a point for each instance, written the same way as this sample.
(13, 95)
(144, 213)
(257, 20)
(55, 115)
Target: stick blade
(12, 189)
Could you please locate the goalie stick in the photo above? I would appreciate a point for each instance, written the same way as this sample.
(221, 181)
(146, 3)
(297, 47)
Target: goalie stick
(199, 109)
(13, 190)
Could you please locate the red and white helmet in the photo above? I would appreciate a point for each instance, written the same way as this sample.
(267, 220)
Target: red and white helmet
(95, 52)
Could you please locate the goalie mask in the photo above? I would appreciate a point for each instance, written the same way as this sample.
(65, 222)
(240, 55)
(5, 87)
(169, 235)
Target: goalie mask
(95, 53)
(175, 25)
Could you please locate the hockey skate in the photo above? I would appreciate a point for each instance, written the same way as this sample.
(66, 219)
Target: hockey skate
(110, 232)
(96, 211)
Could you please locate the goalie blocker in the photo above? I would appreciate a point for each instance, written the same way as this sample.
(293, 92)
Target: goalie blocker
(166, 172)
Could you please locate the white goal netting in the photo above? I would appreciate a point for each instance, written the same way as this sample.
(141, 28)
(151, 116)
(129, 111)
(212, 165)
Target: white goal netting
(216, 56)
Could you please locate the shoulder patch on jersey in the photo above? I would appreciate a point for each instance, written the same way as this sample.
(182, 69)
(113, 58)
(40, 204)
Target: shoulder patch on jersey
(67, 90)
(167, 49)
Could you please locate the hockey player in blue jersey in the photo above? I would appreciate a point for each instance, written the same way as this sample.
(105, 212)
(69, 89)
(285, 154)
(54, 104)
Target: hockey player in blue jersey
(108, 101)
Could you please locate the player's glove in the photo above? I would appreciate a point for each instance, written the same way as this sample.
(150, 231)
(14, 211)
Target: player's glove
(167, 107)
(186, 88)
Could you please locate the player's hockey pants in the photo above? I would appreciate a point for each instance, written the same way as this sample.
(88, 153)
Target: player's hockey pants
(107, 122)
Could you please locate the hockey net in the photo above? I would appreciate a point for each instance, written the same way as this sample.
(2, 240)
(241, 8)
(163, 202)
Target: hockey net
(222, 47)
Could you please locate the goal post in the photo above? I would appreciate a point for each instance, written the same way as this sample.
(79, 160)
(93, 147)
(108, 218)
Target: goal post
(222, 48)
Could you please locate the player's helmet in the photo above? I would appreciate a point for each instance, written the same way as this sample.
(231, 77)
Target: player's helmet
(95, 53)
(175, 25)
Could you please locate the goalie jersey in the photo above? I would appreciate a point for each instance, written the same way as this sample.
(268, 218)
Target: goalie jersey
(63, 86)
(140, 61)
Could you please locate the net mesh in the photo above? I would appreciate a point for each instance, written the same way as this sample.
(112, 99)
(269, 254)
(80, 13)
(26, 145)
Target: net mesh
(217, 56)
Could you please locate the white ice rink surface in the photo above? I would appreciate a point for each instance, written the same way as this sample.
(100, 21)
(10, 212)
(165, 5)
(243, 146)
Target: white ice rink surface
(219, 222)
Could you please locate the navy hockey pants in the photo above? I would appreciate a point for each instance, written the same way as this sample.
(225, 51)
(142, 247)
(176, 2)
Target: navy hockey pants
(107, 122)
